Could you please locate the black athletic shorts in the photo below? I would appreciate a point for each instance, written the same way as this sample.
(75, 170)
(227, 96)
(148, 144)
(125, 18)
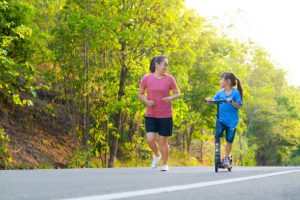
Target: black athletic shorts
(162, 126)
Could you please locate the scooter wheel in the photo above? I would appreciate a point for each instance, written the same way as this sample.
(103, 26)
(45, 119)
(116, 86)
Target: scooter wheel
(216, 166)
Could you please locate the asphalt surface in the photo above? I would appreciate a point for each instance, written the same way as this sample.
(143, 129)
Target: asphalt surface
(190, 183)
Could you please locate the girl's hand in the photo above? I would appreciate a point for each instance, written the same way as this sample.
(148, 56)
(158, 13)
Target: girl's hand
(207, 100)
(167, 99)
(150, 103)
(229, 100)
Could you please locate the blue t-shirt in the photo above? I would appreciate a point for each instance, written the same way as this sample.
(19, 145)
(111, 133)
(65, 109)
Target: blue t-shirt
(228, 114)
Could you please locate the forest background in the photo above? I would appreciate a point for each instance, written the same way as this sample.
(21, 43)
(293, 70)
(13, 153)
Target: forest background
(70, 72)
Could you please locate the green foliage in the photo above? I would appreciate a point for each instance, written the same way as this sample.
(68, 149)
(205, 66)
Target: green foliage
(79, 159)
(45, 165)
(5, 159)
(137, 150)
(16, 48)
(243, 153)
(99, 146)
(182, 159)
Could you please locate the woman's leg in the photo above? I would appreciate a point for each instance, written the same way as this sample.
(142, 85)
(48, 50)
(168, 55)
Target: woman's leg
(151, 140)
(164, 148)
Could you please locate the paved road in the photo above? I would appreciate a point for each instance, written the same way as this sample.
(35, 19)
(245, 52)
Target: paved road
(191, 183)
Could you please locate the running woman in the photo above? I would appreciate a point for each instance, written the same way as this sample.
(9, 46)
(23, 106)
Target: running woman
(158, 118)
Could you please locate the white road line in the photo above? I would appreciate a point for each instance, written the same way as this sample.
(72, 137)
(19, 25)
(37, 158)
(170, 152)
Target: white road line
(122, 195)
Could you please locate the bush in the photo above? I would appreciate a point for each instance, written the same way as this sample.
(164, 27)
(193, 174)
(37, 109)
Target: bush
(79, 159)
(135, 153)
(178, 158)
(5, 159)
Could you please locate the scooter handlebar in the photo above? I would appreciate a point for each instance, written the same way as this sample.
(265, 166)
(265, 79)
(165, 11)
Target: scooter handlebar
(208, 100)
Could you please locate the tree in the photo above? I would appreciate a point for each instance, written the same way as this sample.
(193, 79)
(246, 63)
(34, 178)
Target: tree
(16, 48)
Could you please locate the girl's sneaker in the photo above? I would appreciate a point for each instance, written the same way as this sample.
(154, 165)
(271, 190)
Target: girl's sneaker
(155, 162)
(225, 162)
(164, 168)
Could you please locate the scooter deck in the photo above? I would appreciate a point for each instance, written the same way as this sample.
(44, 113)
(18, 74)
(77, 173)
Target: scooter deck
(229, 167)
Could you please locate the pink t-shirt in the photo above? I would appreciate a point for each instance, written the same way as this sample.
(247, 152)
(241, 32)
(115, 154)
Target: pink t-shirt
(156, 90)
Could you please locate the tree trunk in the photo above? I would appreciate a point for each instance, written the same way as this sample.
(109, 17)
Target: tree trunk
(201, 152)
(87, 106)
(131, 129)
(183, 140)
(189, 138)
(241, 148)
(70, 108)
(117, 116)
(114, 142)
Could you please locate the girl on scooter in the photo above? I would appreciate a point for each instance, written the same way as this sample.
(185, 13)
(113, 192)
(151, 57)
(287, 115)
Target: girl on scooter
(232, 92)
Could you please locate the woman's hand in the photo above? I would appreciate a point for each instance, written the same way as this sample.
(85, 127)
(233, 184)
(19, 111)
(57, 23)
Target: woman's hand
(150, 103)
(167, 99)
(176, 95)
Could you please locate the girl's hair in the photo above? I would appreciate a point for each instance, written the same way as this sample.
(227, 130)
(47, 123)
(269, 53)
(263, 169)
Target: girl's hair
(234, 82)
(156, 59)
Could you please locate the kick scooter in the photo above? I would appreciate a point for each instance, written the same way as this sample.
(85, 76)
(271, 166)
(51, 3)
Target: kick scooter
(218, 160)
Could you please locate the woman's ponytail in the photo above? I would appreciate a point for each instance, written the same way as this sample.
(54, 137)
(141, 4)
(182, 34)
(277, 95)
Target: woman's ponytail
(152, 64)
(156, 59)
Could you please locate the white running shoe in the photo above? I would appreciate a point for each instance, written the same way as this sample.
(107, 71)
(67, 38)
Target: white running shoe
(164, 168)
(155, 162)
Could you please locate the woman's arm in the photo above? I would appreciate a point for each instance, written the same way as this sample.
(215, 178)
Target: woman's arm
(175, 95)
(144, 99)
